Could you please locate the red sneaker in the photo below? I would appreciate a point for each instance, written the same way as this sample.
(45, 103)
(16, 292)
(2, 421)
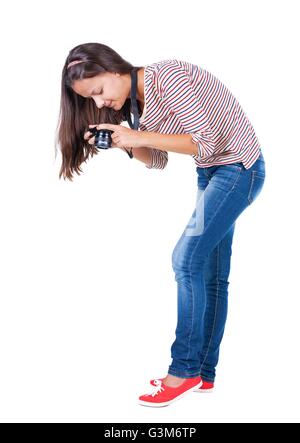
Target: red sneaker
(163, 395)
(205, 388)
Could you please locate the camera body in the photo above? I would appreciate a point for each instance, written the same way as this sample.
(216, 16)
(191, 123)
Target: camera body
(103, 138)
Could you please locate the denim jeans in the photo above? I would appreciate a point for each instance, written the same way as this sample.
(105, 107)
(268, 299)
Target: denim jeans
(201, 262)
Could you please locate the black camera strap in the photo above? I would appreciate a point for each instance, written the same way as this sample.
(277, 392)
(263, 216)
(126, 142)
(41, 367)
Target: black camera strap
(134, 106)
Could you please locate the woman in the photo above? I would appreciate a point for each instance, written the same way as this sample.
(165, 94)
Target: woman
(185, 109)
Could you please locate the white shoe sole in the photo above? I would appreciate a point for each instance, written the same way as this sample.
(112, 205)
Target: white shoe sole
(166, 403)
(204, 391)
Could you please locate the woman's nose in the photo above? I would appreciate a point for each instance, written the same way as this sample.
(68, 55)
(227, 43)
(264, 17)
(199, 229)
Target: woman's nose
(99, 103)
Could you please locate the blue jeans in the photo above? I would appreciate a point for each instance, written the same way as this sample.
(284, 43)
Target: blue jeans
(201, 262)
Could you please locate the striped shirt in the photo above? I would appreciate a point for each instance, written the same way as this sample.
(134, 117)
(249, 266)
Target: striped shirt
(183, 98)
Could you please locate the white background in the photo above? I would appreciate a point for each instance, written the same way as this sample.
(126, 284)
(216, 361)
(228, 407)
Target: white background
(88, 295)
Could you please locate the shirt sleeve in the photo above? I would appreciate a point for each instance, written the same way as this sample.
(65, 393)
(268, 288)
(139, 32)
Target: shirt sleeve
(176, 91)
(159, 159)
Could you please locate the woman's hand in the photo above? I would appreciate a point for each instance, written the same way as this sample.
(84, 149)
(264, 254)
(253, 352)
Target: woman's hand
(122, 137)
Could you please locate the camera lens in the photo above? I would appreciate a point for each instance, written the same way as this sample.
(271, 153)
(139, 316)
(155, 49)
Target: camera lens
(103, 139)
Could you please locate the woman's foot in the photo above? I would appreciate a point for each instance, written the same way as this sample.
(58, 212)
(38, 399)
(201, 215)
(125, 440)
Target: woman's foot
(163, 395)
(172, 381)
(206, 387)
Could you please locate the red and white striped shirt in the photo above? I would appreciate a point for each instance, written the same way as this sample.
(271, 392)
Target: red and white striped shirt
(183, 98)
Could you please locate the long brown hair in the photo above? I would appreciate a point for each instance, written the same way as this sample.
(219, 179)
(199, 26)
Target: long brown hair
(77, 112)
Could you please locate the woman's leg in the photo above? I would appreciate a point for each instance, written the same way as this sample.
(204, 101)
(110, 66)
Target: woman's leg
(224, 193)
(216, 273)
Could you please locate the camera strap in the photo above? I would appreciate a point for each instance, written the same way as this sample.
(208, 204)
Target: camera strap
(134, 107)
(134, 104)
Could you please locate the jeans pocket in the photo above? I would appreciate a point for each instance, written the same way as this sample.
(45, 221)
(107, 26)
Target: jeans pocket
(225, 177)
(256, 185)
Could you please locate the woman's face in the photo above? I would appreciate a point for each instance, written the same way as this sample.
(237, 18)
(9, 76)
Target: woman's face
(106, 89)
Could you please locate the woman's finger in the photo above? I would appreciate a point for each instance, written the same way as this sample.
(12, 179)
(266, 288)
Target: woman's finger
(87, 135)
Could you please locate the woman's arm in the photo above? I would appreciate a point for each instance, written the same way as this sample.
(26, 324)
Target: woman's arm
(180, 143)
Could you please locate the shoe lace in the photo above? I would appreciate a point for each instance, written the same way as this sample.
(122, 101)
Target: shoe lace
(158, 388)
